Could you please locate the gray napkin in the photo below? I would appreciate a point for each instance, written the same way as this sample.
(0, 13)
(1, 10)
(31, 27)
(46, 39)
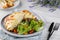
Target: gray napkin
(5, 36)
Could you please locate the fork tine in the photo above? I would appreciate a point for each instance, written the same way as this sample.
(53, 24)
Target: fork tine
(56, 26)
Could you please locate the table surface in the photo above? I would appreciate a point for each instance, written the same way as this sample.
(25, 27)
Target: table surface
(55, 36)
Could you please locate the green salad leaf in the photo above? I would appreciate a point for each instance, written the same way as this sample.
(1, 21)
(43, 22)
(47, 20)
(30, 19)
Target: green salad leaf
(26, 26)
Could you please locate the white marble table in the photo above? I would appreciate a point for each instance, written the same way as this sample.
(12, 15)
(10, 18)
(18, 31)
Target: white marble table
(25, 6)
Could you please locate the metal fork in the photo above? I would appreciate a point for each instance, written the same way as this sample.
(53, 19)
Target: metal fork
(55, 28)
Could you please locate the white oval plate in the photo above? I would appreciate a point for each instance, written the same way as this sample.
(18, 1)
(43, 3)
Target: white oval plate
(29, 35)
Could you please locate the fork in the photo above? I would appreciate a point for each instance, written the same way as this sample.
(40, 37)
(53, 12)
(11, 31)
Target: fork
(54, 29)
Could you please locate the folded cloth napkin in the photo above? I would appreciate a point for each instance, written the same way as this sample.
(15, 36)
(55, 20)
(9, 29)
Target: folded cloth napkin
(5, 36)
